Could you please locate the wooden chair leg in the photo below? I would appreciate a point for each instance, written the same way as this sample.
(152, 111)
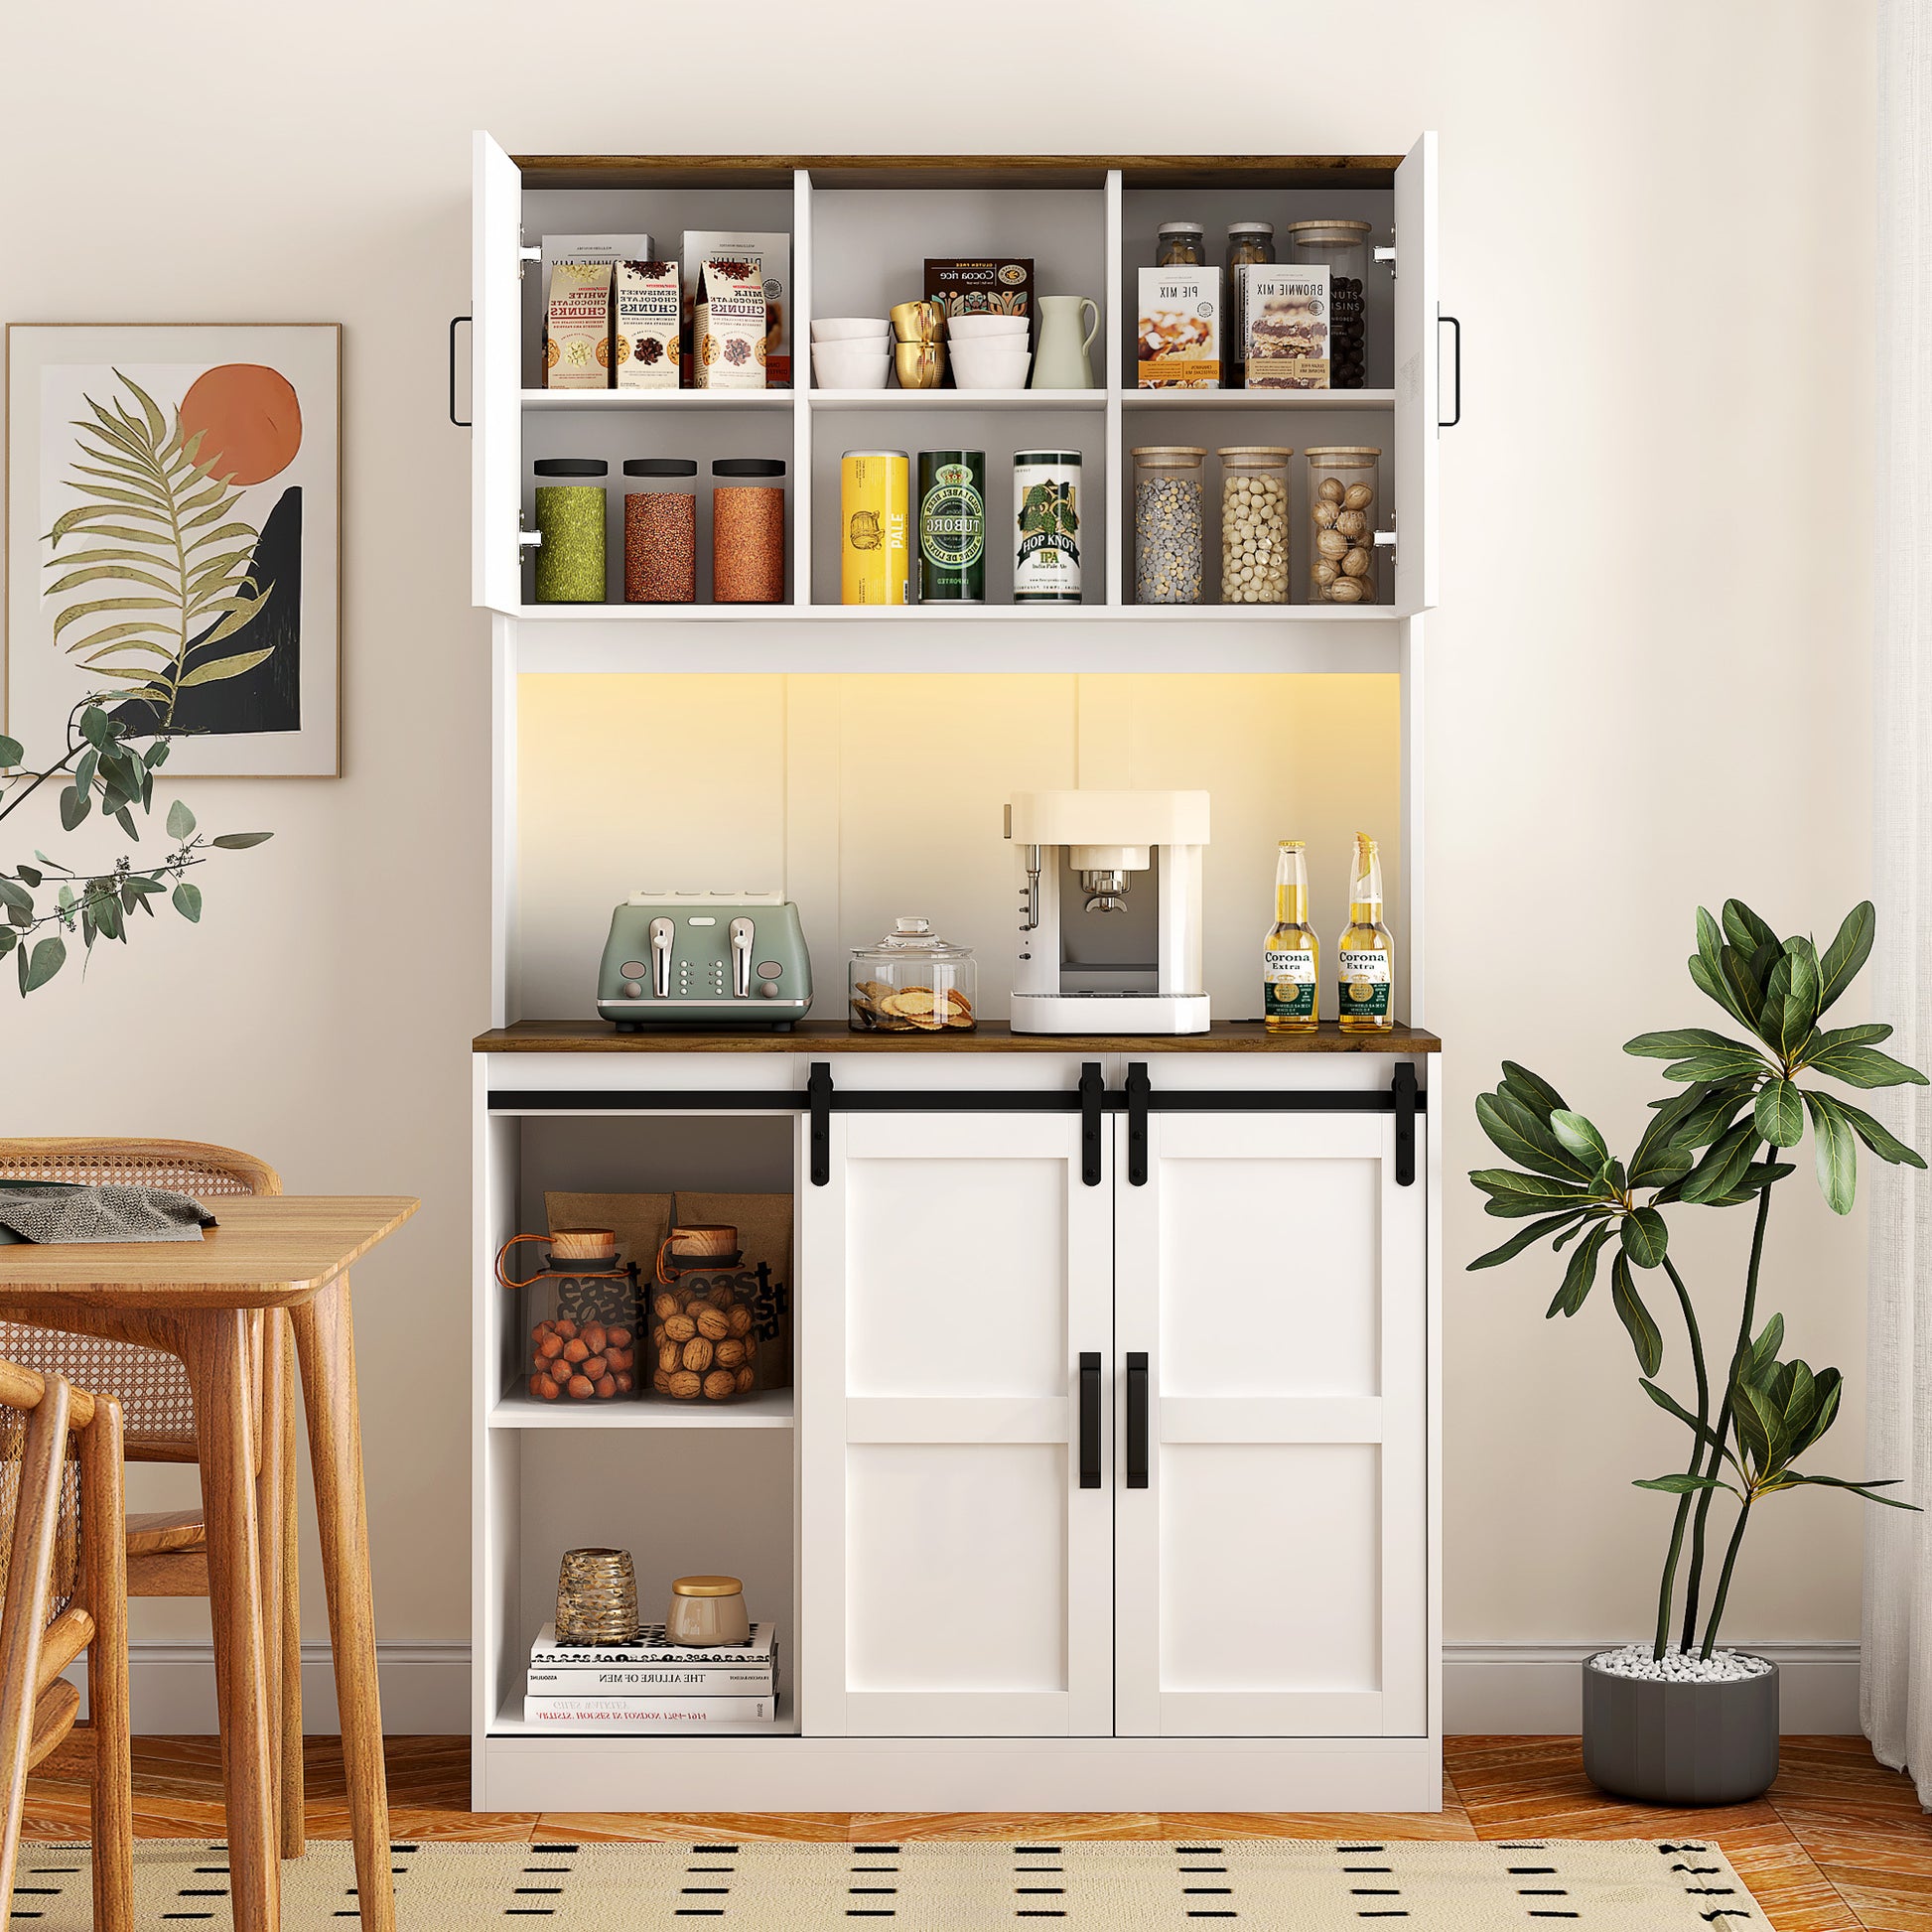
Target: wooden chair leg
(288, 1632)
(104, 1503)
(268, 1521)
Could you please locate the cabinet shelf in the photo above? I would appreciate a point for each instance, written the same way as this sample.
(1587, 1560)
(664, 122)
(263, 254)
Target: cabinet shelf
(509, 1721)
(658, 398)
(965, 399)
(767, 1408)
(1290, 399)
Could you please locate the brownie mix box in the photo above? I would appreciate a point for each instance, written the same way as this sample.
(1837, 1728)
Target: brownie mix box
(1288, 327)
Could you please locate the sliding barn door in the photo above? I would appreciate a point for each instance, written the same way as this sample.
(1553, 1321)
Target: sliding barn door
(1271, 1572)
(957, 1578)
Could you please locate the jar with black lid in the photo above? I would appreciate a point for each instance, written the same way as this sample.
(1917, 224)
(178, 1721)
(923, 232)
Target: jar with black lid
(1251, 244)
(1179, 244)
(570, 522)
(660, 532)
(747, 530)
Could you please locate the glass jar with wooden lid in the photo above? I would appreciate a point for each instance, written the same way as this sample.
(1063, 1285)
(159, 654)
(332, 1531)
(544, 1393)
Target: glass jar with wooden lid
(1342, 248)
(1254, 524)
(1344, 501)
(1168, 523)
(702, 1345)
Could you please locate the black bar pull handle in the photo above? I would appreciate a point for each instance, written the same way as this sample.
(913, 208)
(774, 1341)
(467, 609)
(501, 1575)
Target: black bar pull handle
(818, 1103)
(462, 422)
(1138, 1086)
(1090, 1421)
(1455, 333)
(1136, 1419)
(1405, 1125)
(1092, 1093)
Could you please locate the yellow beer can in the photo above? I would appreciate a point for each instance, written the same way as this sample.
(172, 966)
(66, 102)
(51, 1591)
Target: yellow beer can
(873, 557)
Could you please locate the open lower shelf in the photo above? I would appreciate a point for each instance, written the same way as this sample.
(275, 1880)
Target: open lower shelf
(1062, 614)
(509, 1723)
(767, 1408)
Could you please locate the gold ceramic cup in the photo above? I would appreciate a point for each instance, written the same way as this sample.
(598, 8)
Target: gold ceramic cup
(919, 322)
(920, 365)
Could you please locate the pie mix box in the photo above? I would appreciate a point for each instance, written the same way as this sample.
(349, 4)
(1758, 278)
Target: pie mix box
(1288, 327)
(773, 254)
(1179, 345)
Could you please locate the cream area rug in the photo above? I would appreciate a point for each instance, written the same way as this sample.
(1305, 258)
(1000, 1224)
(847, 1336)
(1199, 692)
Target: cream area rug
(1253, 1885)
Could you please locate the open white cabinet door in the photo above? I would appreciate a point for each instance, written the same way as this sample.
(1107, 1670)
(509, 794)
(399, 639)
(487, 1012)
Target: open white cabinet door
(495, 360)
(1418, 386)
(957, 1577)
(1272, 1569)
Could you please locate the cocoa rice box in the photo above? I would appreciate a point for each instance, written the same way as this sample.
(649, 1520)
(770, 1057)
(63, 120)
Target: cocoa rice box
(647, 333)
(979, 285)
(727, 333)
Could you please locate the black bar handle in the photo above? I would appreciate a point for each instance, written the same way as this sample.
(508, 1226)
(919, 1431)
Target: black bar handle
(1090, 1421)
(1138, 1086)
(459, 421)
(1136, 1419)
(1404, 1089)
(818, 1102)
(1449, 422)
(1092, 1094)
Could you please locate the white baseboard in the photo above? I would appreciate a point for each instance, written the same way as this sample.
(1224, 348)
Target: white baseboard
(1497, 1690)
(425, 1688)
(1536, 1689)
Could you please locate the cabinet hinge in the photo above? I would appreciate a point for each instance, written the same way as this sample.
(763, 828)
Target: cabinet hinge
(1385, 252)
(526, 255)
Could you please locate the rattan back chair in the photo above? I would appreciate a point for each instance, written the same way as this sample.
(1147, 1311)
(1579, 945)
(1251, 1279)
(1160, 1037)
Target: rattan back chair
(168, 1549)
(62, 1591)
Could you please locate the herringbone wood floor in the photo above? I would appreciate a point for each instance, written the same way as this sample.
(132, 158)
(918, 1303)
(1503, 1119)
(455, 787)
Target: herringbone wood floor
(1838, 1843)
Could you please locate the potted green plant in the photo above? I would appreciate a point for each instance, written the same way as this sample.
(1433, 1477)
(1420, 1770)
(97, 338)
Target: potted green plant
(1677, 1720)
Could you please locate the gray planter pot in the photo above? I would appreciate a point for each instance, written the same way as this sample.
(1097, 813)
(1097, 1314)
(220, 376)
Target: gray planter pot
(1680, 1744)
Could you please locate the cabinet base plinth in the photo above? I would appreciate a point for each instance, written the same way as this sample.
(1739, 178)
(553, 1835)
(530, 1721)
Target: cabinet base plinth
(886, 1774)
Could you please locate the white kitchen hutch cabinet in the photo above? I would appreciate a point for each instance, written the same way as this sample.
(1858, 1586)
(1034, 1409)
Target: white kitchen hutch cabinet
(1109, 1478)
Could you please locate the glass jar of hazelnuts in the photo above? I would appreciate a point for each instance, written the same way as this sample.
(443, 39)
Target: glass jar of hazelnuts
(1344, 495)
(586, 1349)
(701, 1341)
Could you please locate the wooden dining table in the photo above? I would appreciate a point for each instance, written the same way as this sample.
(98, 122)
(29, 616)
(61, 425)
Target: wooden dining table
(201, 1300)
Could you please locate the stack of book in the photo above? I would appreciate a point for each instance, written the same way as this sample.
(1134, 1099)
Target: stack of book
(651, 1685)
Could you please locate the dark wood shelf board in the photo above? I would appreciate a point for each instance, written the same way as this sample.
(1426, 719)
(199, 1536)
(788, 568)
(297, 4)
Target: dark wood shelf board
(925, 171)
(1226, 1037)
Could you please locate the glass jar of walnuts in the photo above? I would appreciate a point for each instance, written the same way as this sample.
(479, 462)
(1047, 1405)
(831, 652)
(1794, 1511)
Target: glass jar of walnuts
(702, 1345)
(1344, 493)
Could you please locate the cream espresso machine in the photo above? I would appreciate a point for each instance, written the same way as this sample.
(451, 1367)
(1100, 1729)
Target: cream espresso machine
(1110, 911)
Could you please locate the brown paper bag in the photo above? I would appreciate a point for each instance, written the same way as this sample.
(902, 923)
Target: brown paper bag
(764, 1224)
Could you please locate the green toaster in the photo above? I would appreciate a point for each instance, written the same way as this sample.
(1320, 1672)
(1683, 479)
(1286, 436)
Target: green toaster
(705, 959)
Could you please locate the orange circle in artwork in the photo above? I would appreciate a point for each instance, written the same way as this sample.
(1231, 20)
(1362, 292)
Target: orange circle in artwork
(249, 419)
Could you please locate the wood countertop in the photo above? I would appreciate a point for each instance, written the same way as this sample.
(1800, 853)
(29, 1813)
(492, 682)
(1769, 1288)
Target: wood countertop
(1225, 1037)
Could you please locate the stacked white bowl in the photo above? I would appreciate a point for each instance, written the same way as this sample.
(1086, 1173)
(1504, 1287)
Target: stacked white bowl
(988, 351)
(852, 351)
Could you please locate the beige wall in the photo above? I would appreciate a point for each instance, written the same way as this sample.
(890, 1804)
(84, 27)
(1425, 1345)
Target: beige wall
(1648, 683)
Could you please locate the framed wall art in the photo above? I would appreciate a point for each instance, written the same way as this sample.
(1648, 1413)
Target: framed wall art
(173, 538)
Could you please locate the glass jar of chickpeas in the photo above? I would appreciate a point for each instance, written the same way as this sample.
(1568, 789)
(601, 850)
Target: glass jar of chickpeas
(1344, 496)
(1254, 524)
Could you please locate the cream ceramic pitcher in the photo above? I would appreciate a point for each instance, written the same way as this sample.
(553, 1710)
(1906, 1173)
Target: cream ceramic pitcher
(1060, 361)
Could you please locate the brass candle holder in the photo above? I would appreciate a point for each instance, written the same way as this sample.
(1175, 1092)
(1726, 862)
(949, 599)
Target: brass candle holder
(597, 1598)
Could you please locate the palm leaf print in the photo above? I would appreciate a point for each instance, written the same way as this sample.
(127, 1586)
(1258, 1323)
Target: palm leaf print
(156, 528)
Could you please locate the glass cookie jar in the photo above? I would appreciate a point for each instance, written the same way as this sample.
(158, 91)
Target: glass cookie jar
(913, 982)
(585, 1348)
(1344, 497)
(703, 1341)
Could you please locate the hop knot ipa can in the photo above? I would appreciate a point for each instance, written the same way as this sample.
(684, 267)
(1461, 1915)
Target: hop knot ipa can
(873, 558)
(952, 526)
(1046, 520)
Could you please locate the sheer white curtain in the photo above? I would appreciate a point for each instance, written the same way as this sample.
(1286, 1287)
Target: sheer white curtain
(1898, 1673)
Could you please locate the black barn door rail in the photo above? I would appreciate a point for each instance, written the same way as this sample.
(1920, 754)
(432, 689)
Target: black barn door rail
(822, 1098)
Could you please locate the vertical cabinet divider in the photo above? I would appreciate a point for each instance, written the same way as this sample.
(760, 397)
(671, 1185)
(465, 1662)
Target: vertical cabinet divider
(1112, 454)
(802, 370)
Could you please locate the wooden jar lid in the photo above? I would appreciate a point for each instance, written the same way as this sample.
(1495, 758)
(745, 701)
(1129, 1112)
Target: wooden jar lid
(701, 1240)
(582, 1244)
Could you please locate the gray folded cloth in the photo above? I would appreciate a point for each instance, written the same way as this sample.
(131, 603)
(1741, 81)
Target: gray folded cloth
(55, 1211)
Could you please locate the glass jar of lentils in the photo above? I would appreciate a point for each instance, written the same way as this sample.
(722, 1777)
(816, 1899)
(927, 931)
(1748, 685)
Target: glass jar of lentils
(1168, 524)
(1342, 248)
(1254, 524)
(747, 530)
(660, 532)
(1344, 490)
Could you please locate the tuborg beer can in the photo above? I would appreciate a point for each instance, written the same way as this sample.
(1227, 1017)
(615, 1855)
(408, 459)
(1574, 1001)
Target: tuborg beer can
(873, 558)
(952, 526)
(1046, 526)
